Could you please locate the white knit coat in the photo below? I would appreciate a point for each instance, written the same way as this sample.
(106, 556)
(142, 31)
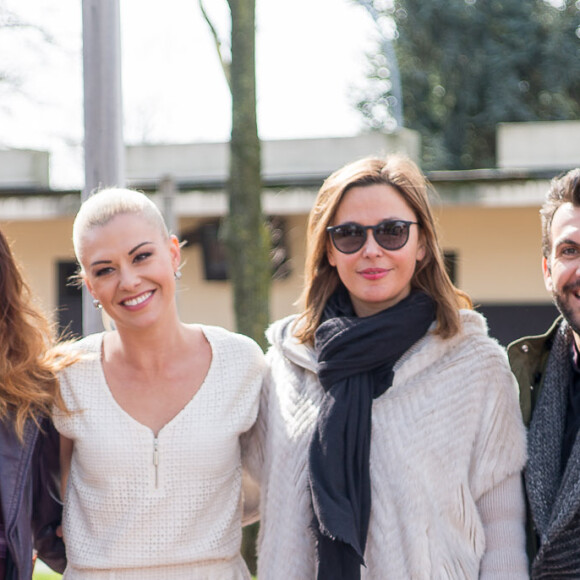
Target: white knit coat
(445, 435)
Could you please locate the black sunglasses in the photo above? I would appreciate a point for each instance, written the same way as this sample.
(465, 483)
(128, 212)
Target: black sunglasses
(351, 237)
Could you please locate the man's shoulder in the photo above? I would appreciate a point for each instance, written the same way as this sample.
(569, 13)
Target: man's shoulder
(533, 346)
(528, 357)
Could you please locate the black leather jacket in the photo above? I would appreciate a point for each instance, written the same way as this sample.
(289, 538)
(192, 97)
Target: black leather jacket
(31, 510)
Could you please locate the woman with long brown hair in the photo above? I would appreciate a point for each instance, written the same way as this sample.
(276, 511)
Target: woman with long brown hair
(29, 509)
(392, 439)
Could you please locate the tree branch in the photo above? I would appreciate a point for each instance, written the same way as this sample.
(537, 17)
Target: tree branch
(224, 61)
(9, 20)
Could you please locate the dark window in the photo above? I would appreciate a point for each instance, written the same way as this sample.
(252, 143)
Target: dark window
(450, 260)
(508, 322)
(70, 302)
(214, 250)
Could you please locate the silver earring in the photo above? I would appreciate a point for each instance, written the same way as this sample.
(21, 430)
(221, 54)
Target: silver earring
(177, 274)
(97, 304)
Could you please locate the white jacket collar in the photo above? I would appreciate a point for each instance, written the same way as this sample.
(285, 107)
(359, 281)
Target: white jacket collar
(281, 335)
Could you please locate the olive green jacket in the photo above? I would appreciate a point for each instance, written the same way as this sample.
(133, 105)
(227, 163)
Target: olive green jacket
(528, 358)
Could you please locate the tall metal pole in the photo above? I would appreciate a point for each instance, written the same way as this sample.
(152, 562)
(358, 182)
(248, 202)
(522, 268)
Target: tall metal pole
(103, 112)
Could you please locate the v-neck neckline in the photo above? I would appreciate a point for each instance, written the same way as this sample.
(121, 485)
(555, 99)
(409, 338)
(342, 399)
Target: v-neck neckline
(122, 411)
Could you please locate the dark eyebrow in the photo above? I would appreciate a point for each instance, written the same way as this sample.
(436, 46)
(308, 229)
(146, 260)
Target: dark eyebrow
(566, 242)
(138, 246)
(99, 262)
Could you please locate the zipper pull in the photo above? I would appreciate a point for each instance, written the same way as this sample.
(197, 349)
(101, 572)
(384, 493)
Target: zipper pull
(156, 461)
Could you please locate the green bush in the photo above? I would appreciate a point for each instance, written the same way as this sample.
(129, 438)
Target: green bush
(43, 572)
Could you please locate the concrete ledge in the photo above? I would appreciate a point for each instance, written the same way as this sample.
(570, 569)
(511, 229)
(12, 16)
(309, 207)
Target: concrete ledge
(284, 160)
(24, 168)
(539, 145)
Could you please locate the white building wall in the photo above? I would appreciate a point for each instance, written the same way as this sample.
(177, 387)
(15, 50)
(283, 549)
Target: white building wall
(549, 145)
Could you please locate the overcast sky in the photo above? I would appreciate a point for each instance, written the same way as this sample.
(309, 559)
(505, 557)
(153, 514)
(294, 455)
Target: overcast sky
(310, 59)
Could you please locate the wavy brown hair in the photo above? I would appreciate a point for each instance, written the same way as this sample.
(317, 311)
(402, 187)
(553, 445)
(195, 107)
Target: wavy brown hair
(321, 279)
(28, 381)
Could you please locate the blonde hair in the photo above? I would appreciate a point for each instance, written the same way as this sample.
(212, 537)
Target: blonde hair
(104, 205)
(321, 279)
(28, 381)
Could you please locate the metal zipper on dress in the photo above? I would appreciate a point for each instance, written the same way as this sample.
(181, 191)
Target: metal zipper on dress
(156, 460)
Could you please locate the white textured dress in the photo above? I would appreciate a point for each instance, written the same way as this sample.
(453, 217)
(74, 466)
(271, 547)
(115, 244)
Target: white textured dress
(143, 507)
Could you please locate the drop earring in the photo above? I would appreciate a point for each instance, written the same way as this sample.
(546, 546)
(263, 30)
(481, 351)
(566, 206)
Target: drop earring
(97, 304)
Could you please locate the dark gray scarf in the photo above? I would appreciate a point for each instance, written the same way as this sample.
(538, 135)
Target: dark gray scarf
(356, 357)
(554, 498)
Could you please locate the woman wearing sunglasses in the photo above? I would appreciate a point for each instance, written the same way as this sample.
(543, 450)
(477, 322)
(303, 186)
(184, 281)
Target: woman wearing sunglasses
(394, 440)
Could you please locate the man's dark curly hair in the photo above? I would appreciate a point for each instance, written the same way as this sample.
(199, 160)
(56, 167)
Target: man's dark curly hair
(563, 189)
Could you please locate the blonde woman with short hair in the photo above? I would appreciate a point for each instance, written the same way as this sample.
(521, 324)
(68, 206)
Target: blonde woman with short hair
(151, 448)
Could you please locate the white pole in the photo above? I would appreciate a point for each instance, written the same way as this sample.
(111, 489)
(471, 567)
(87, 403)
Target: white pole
(168, 190)
(103, 112)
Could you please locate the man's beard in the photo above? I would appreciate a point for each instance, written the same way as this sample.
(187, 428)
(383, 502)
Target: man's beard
(572, 317)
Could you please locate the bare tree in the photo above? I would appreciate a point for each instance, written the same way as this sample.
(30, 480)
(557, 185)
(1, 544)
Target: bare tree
(246, 235)
(245, 230)
(37, 37)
